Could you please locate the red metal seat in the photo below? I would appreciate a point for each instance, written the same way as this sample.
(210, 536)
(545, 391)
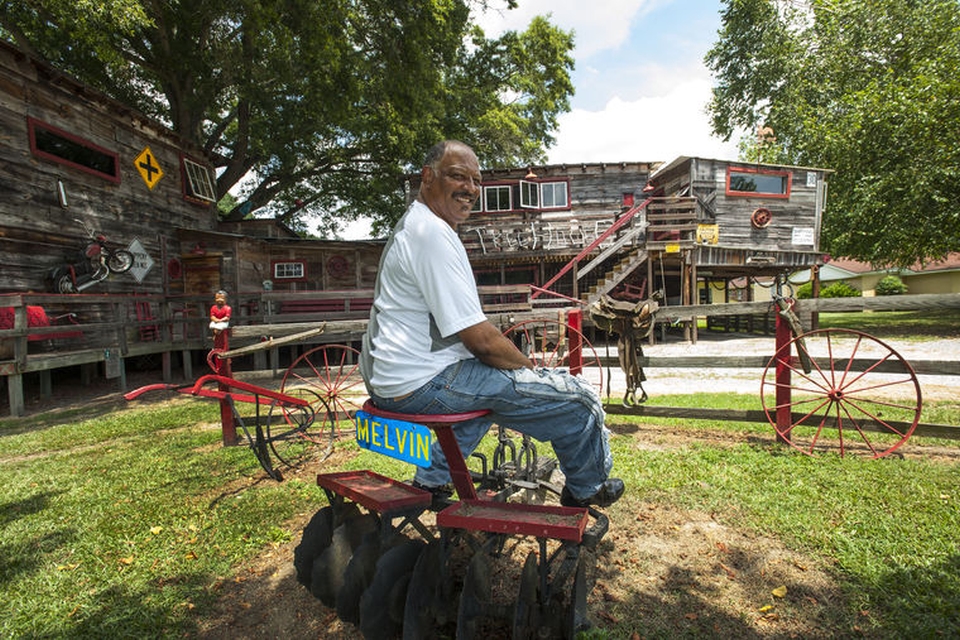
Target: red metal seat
(442, 424)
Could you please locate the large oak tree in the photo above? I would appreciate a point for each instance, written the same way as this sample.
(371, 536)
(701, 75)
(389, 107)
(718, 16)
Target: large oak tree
(868, 88)
(324, 104)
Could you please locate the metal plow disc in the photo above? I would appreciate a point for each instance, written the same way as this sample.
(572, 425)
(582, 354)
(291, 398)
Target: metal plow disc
(328, 569)
(357, 577)
(382, 604)
(432, 596)
(526, 615)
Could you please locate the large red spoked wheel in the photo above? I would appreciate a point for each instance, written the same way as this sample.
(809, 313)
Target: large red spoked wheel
(859, 397)
(553, 345)
(333, 372)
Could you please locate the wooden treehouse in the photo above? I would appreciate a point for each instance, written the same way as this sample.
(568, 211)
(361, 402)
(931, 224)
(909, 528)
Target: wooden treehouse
(689, 228)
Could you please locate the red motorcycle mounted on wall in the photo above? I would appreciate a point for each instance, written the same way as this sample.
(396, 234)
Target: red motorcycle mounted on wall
(95, 263)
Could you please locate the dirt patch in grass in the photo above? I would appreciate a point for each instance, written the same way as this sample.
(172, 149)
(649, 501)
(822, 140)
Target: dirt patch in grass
(660, 571)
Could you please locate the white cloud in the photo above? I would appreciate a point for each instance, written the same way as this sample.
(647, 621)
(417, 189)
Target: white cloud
(645, 130)
(598, 26)
(639, 98)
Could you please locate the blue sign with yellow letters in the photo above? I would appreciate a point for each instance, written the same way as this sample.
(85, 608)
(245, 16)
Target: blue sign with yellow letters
(407, 441)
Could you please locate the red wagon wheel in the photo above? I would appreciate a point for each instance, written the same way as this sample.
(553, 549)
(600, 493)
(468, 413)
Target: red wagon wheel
(553, 344)
(860, 396)
(333, 372)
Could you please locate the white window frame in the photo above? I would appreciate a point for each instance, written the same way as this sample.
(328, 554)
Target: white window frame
(532, 195)
(529, 194)
(499, 188)
(198, 183)
(289, 270)
(554, 188)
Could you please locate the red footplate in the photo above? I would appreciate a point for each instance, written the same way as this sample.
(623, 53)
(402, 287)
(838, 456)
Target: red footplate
(374, 491)
(541, 521)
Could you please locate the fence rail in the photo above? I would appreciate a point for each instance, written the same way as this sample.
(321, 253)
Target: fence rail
(90, 330)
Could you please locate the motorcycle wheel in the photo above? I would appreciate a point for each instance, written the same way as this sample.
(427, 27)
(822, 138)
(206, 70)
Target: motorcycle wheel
(119, 261)
(64, 284)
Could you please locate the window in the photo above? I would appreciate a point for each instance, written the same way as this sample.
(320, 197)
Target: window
(197, 182)
(497, 198)
(553, 195)
(289, 271)
(758, 182)
(56, 145)
(529, 195)
(543, 195)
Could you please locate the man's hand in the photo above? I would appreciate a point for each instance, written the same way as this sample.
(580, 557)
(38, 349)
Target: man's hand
(492, 348)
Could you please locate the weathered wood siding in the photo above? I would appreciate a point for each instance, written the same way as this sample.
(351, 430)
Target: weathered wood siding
(596, 195)
(248, 262)
(37, 233)
(794, 221)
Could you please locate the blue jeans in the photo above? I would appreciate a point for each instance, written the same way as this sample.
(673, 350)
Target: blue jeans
(548, 405)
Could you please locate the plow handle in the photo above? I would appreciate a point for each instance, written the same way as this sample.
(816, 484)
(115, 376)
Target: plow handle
(136, 393)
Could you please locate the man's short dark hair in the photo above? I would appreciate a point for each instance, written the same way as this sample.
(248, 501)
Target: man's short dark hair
(435, 154)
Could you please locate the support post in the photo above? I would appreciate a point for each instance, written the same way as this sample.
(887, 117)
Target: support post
(783, 337)
(575, 326)
(228, 427)
(15, 395)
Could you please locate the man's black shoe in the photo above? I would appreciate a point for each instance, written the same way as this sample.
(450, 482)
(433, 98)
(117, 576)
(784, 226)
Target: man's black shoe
(442, 495)
(610, 491)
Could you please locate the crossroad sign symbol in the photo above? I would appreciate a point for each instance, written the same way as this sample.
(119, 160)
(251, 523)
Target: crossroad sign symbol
(148, 167)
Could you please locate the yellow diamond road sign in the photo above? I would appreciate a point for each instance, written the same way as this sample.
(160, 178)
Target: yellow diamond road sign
(150, 171)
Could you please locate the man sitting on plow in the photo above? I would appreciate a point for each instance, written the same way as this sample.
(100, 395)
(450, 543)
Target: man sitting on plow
(429, 348)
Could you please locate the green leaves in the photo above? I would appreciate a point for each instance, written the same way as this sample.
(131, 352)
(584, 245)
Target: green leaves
(865, 89)
(326, 103)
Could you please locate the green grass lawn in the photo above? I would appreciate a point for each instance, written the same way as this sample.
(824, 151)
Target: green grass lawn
(122, 524)
(902, 325)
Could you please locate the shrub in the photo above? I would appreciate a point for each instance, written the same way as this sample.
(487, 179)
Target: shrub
(891, 286)
(804, 291)
(840, 289)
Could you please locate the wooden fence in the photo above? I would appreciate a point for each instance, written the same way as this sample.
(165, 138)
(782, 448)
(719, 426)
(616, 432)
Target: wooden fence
(807, 310)
(95, 331)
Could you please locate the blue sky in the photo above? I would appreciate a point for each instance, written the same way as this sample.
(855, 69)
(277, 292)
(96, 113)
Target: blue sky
(641, 84)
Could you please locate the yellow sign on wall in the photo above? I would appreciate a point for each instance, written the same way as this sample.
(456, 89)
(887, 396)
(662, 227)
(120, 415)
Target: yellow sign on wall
(148, 167)
(708, 233)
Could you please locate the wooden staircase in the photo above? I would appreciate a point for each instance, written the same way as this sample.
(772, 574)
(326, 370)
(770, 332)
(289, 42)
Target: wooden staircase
(620, 271)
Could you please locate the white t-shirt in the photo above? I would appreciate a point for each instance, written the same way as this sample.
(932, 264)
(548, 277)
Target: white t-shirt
(425, 294)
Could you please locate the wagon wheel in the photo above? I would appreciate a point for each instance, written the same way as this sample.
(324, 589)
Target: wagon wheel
(333, 372)
(548, 344)
(294, 431)
(869, 411)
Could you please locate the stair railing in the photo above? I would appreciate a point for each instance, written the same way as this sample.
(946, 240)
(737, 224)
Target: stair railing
(624, 219)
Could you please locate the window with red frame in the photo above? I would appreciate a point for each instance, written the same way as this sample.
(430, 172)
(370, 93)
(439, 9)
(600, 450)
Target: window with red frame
(767, 183)
(56, 145)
